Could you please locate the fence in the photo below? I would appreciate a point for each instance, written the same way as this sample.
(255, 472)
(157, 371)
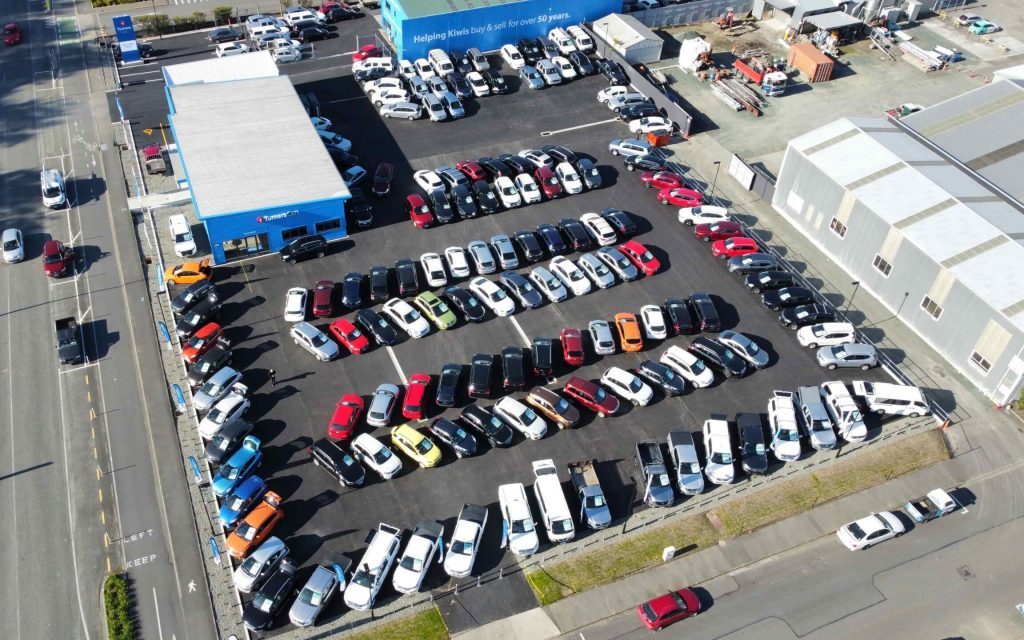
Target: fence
(690, 12)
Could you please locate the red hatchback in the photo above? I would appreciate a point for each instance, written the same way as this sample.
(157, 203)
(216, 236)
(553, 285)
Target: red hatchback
(345, 417)
(416, 393)
(347, 334)
(201, 341)
(57, 258)
(419, 211)
(711, 231)
(548, 182)
(572, 347)
(591, 396)
(323, 299)
(472, 169)
(662, 611)
(640, 256)
(732, 247)
(366, 51)
(661, 179)
(12, 34)
(680, 197)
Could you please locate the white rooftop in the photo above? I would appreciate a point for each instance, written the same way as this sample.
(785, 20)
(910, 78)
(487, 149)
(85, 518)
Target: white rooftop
(623, 30)
(229, 137)
(257, 64)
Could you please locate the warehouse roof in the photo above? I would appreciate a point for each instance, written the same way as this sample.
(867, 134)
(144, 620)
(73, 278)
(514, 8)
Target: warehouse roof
(622, 30)
(258, 64)
(238, 163)
(423, 8)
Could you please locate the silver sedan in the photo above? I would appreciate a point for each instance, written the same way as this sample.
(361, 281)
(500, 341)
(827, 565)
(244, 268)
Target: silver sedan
(314, 341)
(745, 348)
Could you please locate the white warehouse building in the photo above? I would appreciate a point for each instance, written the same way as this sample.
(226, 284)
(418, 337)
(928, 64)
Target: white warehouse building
(926, 213)
(629, 37)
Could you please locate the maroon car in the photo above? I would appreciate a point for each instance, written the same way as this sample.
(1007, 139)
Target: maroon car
(472, 169)
(382, 179)
(674, 606)
(419, 211)
(12, 34)
(711, 231)
(591, 396)
(323, 299)
(548, 182)
(57, 258)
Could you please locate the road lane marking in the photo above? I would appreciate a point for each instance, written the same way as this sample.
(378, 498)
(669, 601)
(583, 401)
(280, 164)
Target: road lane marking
(519, 329)
(156, 605)
(398, 367)
(580, 126)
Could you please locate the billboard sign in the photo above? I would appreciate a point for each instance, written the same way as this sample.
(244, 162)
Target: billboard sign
(125, 32)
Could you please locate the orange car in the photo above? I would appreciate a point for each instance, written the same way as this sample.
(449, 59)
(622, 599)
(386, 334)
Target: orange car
(251, 532)
(188, 272)
(629, 332)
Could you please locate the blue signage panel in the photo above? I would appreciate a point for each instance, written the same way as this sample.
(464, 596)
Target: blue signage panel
(125, 32)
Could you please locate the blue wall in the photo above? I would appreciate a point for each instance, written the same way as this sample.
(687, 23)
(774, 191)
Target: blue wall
(486, 28)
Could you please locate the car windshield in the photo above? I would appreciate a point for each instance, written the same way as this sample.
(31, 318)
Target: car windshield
(52, 258)
(51, 191)
(382, 455)
(460, 434)
(698, 366)
(236, 504)
(600, 395)
(522, 526)
(229, 472)
(509, 191)
(527, 186)
(437, 274)
(211, 388)
(562, 526)
(461, 548)
(410, 563)
(553, 283)
(246, 531)
(221, 443)
(594, 502)
(660, 480)
(561, 406)
(789, 435)
(692, 467)
(410, 317)
(363, 578)
(319, 340)
(635, 385)
(721, 457)
(528, 416)
(311, 596)
(648, 612)
(855, 530)
(262, 602)
(498, 295)
(821, 425)
(423, 447)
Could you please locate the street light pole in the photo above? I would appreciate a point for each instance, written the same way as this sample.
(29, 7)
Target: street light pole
(905, 296)
(718, 165)
(856, 285)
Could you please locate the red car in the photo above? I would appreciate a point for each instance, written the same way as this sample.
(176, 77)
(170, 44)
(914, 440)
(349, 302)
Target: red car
(591, 396)
(572, 347)
(12, 34)
(548, 182)
(661, 179)
(732, 247)
(57, 258)
(416, 393)
(711, 231)
(472, 169)
(662, 611)
(366, 51)
(201, 341)
(323, 299)
(327, 6)
(680, 197)
(345, 417)
(640, 256)
(419, 211)
(347, 334)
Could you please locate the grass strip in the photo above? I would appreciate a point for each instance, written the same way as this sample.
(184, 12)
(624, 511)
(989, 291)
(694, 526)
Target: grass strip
(423, 625)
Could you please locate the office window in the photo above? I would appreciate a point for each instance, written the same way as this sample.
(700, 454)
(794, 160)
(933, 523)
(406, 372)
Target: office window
(328, 225)
(979, 361)
(884, 267)
(990, 346)
(294, 232)
(932, 307)
(837, 227)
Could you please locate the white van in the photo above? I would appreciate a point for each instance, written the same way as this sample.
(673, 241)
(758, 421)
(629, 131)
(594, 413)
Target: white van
(259, 30)
(892, 399)
(440, 62)
(843, 410)
(373, 567)
(374, 63)
(303, 14)
(286, 54)
(518, 528)
(583, 41)
(554, 510)
(562, 41)
(184, 244)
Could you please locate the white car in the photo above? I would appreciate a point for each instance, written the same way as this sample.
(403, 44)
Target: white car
(721, 468)
(418, 556)
(376, 86)
(604, 95)
(408, 319)
(649, 124)
(406, 69)
(423, 68)
(627, 386)
(321, 124)
(14, 246)
(565, 68)
(653, 322)
(230, 49)
(428, 180)
(688, 366)
(510, 54)
(376, 455)
(458, 265)
(401, 110)
(493, 296)
(702, 214)
(599, 229)
(314, 341)
(517, 520)
(478, 85)
(465, 542)
(580, 38)
(615, 103)
(295, 305)
(784, 428)
(433, 268)
(521, 418)
(528, 188)
(826, 334)
(507, 192)
(596, 270)
(482, 257)
(538, 158)
(224, 412)
(548, 284)
(601, 337)
(389, 95)
(570, 275)
(569, 178)
(869, 531)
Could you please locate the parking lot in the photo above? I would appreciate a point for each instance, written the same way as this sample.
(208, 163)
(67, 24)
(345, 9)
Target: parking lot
(320, 518)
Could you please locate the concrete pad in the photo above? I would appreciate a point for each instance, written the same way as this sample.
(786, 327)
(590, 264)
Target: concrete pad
(528, 625)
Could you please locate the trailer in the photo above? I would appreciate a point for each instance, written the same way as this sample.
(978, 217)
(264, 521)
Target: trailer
(934, 505)
(658, 490)
(594, 511)
(772, 81)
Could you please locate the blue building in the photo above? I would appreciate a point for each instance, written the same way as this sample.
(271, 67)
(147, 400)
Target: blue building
(257, 171)
(416, 26)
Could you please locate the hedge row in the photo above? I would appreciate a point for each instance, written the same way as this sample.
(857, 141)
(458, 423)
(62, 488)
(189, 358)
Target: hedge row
(118, 604)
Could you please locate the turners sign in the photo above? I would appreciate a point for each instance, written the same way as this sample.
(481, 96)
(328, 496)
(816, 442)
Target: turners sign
(276, 216)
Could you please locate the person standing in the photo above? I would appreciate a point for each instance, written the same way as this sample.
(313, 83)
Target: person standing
(273, 377)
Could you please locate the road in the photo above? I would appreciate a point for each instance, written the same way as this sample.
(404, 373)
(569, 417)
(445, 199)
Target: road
(77, 470)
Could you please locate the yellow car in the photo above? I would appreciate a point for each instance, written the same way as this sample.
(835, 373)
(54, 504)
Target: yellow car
(416, 445)
(188, 272)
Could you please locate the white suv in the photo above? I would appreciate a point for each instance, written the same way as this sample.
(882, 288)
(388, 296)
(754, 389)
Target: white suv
(373, 567)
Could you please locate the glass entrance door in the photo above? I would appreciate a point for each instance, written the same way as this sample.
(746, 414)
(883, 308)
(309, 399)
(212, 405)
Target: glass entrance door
(247, 246)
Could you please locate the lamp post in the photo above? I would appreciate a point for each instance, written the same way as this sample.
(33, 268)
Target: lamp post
(905, 296)
(718, 165)
(856, 285)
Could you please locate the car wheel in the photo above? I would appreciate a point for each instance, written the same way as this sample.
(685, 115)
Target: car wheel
(831, 367)
(615, 152)
(865, 367)
(793, 327)
(630, 167)
(600, 414)
(635, 403)
(320, 254)
(775, 309)
(410, 118)
(708, 239)
(291, 260)
(723, 256)
(665, 202)
(387, 115)
(756, 289)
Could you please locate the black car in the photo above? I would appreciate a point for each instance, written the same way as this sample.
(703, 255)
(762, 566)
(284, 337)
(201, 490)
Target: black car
(680, 319)
(518, 164)
(752, 263)
(768, 280)
(371, 322)
(481, 371)
(612, 72)
(259, 614)
(379, 290)
(553, 240)
(485, 197)
(227, 441)
(706, 312)
(513, 368)
(662, 377)
(342, 159)
(312, 34)
(560, 153)
(796, 317)
(329, 456)
(223, 34)
(496, 82)
(495, 168)
(373, 73)
(753, 451)
(340, 14)
(352, 290)
(193, 295)
(360, 208)
(448, 385)
(460, 61)
(589, 173)
(718, 356)
(527, 242)
(522, 289)
(304, 247)
(542, 355)
(646, 162)
(465, 302)
(582, 63)
(382, 179)
(488, 425)
(577, 234)
(637, 111)
(443, 211)
(776, 299)
(461, 442)
(215, 358)
(196, 317)
(529, 50)
(620, 221)
(459, 84)
(408, 283)
(463, 202)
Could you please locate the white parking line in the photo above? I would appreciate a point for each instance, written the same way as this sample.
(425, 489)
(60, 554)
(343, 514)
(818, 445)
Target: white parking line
(398, 367)
(581, 126)
(140, 73)
(347, 99)
(519, 329)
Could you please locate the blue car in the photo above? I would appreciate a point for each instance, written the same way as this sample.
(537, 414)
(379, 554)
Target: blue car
(241, 500)
(239, 466)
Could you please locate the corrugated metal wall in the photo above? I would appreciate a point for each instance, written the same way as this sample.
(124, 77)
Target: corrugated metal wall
(690, 12)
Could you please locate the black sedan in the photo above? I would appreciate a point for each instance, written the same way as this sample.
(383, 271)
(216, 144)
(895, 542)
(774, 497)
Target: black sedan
(485, 197)
(637, 111)
(518, 164)
(259, 614)
(196, 317)
(620, 221)
(193, 295)
(768, 280)
(522, 289)
(463, 202)
(612, 72)
(371, 322)
(488, 425)
(577, 233)
(796, 317)
(461, 442)
(514, 369)
(360, 208)
(560, 153)
(465, 302)
(777, 299)
(223, 34)
(529, 50)
(382, 179)
(646, 162)
(588, 171)
(408, 283)
(582, 63)
(662, 377)
(352, 290)
(553, 240)
(460, 61)
(340, 14)
(495, 168)
(227, 441)
(718, 356)
(379, 284)
(214, 359)
(528, 244)
(443, 211)
(481, 372)
(679, 316)
(706, 312)
(313, 34)
(496, 82)
(448, 385)
(459, 84)
(542, 353)
(753, 452)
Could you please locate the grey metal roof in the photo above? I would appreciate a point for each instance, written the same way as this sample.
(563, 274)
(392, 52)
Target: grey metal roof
(832, 20)
(623, 30)
(256, 64)
(249, 145)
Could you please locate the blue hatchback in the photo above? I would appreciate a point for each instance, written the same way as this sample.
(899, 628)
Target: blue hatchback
(239, 466)
(241, 500)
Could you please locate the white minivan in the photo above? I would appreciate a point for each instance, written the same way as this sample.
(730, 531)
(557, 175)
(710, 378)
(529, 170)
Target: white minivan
(184, 244)
(440, 62)
(518, 530)
(554, 510)
(562, 41)
(892, 399)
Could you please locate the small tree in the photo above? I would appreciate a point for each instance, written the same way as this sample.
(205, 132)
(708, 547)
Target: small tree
(182, 21)
(198, 19)
(222, 15)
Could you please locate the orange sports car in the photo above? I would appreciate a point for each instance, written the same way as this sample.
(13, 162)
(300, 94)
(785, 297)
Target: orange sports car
(629, 332)
(188, 272)
(251, 532)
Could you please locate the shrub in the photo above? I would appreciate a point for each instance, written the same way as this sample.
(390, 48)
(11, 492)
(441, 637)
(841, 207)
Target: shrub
(118, 604)
(222, 15)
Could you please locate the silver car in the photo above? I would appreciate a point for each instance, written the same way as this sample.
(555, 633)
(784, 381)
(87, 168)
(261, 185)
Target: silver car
(315, 595)
(314, 341)
(601, 337)
(438, 87)
(507, 256)
(531, 77)
(618, 263)
(482, 257)
(629, 147)
(596, 270)
(848, 356)
(217, 387)
(752, 263)
(257, 567)
(382, 405)
(435, 110)
(685, 462)
(452, 104)
(548, 284)
(407, 110)
(549, 72)
(14, 246)
(745, 348)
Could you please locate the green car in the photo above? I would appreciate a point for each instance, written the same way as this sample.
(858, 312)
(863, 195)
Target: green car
(436, 310)
(982, 27)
